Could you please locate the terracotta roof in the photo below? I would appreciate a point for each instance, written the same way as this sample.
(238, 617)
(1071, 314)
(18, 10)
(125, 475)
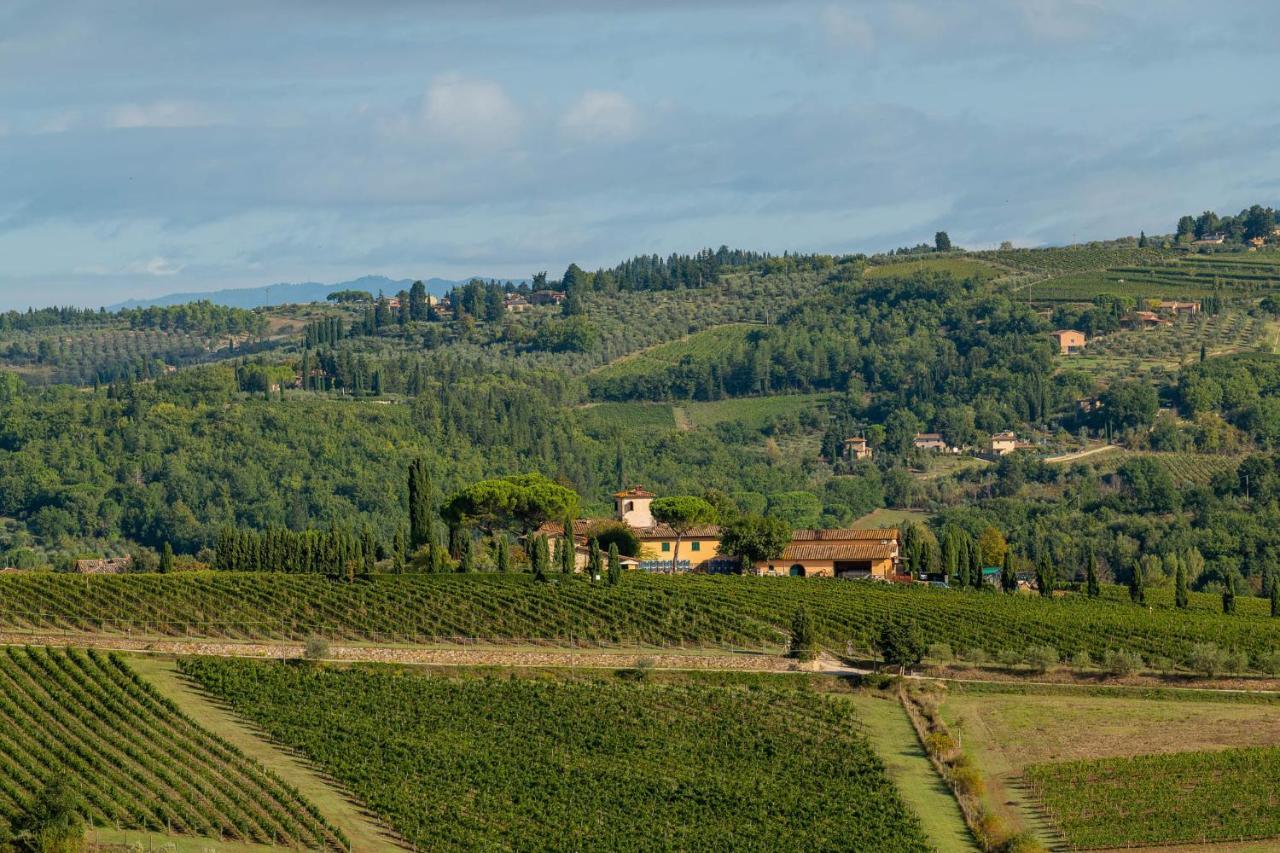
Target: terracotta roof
(846, 534)
(837, 551)
(662, 531)
(634, 492)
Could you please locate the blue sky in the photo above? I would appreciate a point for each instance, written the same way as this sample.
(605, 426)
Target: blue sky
(147, 148)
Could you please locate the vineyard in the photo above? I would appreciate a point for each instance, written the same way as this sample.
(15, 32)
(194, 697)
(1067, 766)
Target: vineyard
(692, 610)
(1068, 260)
(136, 761)
(464, 763)
(1162, 799)
(1159, 352)
(700, 346)
(959, 267)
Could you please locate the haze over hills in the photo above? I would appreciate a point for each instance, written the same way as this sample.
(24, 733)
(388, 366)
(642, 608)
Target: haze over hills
(291, 293)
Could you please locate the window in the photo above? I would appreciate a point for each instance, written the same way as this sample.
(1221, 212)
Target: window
(666, 547)
(697, 546)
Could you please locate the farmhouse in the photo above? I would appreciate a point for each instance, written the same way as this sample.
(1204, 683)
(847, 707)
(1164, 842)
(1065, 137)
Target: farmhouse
(856, 448)
(932, 441)
(546, 297)
(1069, 341)
(105, 566)
(1004, 443)
(1210, 240)
(1178, 309)
(516, 304)
(844, 553)
(812, 553)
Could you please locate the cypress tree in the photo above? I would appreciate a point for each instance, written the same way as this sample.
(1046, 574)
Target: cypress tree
(959, 573)
(1180, 597)
(421, 529)
(539, 558)
(1008, 577)
(166, 558)
(1092, 586)
(1275, 600)
(1044, 576)
(567, 548)
(466, 559)
(950, 551)
(1229, 596)
(1137, 584)
(615, 571)
(595, 561)
(502, 556)
(975, 565)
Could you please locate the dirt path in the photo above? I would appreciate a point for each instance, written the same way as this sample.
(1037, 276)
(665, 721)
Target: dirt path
(339, 809)
(458, 656)
(1080, 454)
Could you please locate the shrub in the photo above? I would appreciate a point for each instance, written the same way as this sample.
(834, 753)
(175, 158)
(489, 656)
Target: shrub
(1235, 661)
(1009, 657)
(967, 780)
(315, 648)
(1041, 658)
(940, 652)
(1206, 659)
(1121, 662)
(1269, 662)
(1081, 660)
(1162, 664)
(976, 655)
(803, 646)
(939, 744)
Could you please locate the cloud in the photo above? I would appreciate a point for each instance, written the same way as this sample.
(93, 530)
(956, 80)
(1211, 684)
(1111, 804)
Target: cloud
(470, 111)
(601, 116)
(161, 114)
(158, 266)
(843, 28)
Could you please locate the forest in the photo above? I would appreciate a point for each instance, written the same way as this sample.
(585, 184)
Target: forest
(315, 434)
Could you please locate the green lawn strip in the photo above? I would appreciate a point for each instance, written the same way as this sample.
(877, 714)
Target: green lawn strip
(361, 830)
(907, 764)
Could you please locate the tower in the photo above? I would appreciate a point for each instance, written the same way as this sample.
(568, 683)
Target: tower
(632, 506)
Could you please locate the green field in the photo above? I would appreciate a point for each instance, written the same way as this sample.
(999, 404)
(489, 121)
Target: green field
(1067, 260)
(1186, 469)
(467, 763)
(753, 412)
(1181, 797)
(694, 609)
(135, 761)
(960, 267)
(710, 343)
(604, 419)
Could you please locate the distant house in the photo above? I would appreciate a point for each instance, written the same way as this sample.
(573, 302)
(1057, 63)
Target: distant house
(105, 566)
(932, 441)
(1210, 240)
(1004, 443)
(1069, 341)
(1146, 320)
(856, 448)
(1257, 242)
(1275, 232)
(546, 297)
(393, 302)
(844, 553)
(1178, 309)
(516, 304)
(1087, 405)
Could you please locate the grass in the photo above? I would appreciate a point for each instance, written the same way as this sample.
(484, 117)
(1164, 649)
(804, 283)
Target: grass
(336, 807)
(1008, 730)
(512, 763)
(908, 766)
(941, 465)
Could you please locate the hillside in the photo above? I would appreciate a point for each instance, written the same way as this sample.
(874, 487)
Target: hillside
(287, 294)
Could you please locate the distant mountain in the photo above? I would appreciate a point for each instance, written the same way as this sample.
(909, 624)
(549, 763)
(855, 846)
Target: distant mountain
(289, 294)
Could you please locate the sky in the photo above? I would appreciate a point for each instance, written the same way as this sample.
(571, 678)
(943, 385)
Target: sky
(148, 148)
